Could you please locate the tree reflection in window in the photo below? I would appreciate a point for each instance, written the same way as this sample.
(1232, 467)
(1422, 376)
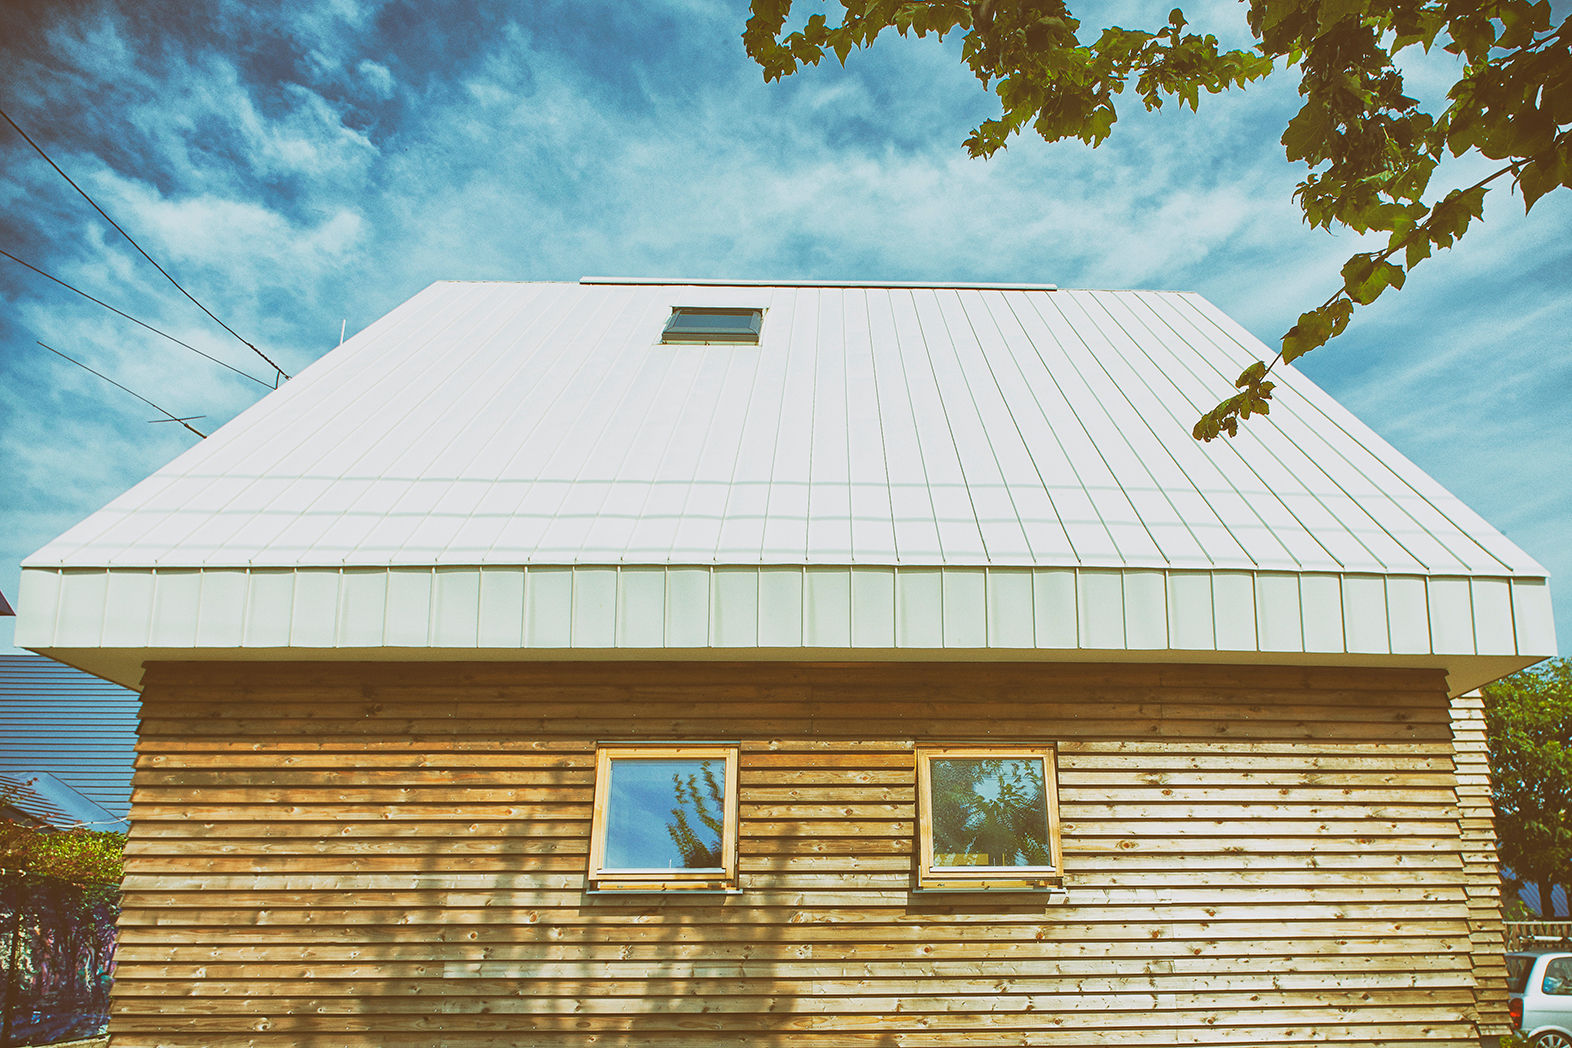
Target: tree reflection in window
(666, 814)
(989, 812)
(701, 847)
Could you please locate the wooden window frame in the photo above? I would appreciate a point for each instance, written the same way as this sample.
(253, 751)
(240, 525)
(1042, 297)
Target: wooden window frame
(987, 878)
(722, 878)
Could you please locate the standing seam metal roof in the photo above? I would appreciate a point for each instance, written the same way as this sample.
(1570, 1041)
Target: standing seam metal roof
(897, 472)
(544, 424)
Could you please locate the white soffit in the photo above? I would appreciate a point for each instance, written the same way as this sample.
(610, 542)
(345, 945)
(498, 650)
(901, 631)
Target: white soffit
(932, 446)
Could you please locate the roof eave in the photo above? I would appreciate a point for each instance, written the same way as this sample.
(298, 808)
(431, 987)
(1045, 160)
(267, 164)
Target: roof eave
(110, 622)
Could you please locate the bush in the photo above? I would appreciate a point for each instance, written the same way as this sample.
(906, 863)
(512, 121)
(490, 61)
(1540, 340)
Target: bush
(85, 857)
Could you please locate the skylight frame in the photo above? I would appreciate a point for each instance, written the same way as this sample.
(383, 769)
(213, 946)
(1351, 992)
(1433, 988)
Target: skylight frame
(695, 333)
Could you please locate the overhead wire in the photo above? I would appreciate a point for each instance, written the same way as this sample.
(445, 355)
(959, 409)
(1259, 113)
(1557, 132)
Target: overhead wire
(39, 149)
(134, 320)
(171, 417)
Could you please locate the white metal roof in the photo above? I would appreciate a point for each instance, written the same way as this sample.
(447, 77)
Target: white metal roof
(489, 427)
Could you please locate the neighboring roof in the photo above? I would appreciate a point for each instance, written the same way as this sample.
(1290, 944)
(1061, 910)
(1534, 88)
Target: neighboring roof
(70, 727)
(43, 798)
(5, 608)
(886, 429)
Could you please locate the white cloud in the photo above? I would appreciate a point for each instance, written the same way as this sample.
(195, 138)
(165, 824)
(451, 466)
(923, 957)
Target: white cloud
(377, 77)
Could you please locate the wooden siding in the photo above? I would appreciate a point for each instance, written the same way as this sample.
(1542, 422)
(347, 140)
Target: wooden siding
(396, 855)
(1471, 758)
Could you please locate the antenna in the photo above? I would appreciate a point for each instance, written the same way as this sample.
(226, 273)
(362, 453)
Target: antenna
(169, 417)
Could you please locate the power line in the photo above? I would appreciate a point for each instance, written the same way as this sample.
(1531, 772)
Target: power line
(144, 254)
(134, 320)
(149, 403)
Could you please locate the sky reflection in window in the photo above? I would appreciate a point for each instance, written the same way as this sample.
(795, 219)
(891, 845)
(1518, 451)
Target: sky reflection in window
(665, 813)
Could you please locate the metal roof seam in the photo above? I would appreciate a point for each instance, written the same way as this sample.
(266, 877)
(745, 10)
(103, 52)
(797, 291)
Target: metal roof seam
(825, 424)
(739, 447)
(708, 438)
(949, 424)
(1076, 423)
(364, 400)
(790, 368)
(605, 391)
(1144, 405)
(784, 345)
(1296, 441)
(1120, 429)
(904, 421)
(927, 455)
(1142, 377)
(769, 373)
(1252, 439)
(1036, 454)
(846, 434)
(685, 379)
(990, 304)
(1186, 456)
(975, 342)
(484, 335)
(1409, 476)
(497, 394)
(337, 419)
(516, 446)
(884, 446)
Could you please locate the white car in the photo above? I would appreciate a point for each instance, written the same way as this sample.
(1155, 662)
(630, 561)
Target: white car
(1541, 1001)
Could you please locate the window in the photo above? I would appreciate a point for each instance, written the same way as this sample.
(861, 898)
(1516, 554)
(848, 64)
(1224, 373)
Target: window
(665, 818)
(987, 818)
(706, 324)
(1558, 977)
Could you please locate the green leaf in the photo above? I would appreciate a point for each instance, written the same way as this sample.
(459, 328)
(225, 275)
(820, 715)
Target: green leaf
(1365, 277)
(1340, 311)
(1550, 170)
(1536, 178)
(1317, 326)
(1330, 12)
(1251, 375)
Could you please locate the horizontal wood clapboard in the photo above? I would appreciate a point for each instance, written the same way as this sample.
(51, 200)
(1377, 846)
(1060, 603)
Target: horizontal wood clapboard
(396, 855)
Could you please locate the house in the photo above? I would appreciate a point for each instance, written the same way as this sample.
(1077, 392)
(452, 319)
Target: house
(67, 743)
(686, 663)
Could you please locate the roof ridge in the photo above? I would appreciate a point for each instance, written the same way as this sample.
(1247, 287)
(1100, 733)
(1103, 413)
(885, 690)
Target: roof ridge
(913, 284)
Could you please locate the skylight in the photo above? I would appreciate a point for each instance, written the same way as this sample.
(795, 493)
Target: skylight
(706, 324)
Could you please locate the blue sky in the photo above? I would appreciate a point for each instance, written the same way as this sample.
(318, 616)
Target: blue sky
(642, 798)
(302, 171)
